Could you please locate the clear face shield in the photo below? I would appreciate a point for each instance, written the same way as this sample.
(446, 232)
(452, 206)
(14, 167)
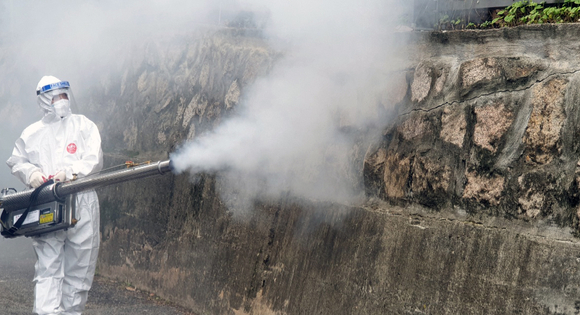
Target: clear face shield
(56, 98)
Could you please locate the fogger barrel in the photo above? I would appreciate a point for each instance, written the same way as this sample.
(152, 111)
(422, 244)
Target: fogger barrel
(54, 209)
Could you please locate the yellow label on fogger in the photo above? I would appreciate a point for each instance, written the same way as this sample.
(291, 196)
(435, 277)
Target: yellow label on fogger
(46, 218)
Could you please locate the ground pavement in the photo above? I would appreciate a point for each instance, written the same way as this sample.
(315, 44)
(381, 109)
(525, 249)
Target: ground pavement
(107, 297)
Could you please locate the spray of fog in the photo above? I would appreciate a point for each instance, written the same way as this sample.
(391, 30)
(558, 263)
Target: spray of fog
(290, 135)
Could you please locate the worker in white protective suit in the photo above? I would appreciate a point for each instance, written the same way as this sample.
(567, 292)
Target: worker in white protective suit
(61, 146)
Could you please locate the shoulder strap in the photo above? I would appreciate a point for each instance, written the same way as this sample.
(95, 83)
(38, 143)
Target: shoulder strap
(11, 233)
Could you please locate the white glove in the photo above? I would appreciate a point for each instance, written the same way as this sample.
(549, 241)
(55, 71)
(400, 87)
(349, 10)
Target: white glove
(60, 176)
(36, 179)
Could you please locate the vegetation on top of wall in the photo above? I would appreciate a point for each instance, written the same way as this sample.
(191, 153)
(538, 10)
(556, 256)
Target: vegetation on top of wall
(519, 13)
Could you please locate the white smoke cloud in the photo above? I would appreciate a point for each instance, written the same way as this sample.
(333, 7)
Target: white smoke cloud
(289, 136)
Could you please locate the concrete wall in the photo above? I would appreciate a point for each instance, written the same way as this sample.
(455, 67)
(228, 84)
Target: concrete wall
(472, 190)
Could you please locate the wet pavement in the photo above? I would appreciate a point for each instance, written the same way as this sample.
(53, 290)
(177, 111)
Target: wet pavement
(107, 297)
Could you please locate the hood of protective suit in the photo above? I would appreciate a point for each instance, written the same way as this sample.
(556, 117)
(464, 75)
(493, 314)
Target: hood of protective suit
(48, 90)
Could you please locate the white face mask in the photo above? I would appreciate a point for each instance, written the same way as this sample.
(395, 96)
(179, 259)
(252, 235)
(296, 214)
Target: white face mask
(61, 108)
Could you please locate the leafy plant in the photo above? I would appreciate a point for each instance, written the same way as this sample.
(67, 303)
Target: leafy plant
(519, 13)
(446, 23)
(529, 12)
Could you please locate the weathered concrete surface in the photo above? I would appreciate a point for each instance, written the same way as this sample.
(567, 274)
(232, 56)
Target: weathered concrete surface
(473, 190)
(325, 259)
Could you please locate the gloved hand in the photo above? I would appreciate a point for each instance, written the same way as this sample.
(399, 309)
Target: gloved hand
(60, 176)
(36, 179)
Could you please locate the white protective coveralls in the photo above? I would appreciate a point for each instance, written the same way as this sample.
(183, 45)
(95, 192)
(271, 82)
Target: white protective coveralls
(69, 144)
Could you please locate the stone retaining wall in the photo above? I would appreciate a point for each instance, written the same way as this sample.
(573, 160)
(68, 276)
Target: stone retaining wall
(472, 191)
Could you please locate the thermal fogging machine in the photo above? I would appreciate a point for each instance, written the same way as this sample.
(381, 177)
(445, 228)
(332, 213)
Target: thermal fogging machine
(51, 206)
